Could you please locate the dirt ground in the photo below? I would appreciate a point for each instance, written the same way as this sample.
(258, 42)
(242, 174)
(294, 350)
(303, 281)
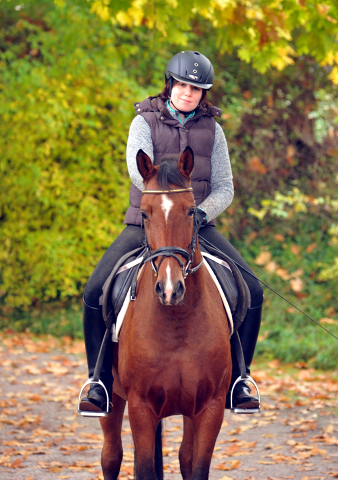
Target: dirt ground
(41, 437)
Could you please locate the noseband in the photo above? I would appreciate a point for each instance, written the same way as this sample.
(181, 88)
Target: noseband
(166, 252)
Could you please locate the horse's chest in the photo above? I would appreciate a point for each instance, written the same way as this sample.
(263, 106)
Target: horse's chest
(184, 389)
(181, 382)
(175, 370)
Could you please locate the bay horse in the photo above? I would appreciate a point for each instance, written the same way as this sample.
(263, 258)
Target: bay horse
(174, 347)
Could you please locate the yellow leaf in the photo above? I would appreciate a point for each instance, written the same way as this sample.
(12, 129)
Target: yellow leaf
(271, 267)
(297, 284)
(282, 273)
(263, 258)
(297, 273)
(330, 321)
(334, 75)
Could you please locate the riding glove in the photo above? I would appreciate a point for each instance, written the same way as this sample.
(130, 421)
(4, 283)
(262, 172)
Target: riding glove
(200, 218)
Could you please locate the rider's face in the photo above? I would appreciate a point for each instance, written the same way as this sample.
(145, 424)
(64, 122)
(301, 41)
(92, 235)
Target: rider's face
(185, 97)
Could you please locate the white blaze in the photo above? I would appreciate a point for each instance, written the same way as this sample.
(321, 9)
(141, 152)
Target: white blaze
(166, 206)
(168, 287)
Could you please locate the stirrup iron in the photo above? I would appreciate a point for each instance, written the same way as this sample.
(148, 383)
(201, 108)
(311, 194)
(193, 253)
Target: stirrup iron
(86, 413)
(244, 410)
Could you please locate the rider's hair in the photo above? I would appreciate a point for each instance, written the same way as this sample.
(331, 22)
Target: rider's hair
(164, 95)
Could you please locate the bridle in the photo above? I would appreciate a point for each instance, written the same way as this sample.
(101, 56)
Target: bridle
(166, 252)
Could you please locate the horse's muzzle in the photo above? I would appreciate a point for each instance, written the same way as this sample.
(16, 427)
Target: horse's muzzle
(169, 294)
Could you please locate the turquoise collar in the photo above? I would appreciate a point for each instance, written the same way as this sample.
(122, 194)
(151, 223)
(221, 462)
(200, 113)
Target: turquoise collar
(174, 111)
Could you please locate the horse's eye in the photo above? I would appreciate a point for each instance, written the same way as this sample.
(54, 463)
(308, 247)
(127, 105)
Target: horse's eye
(144, 216)
(191, 212)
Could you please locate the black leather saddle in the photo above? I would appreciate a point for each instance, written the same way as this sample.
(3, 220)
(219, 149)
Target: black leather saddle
(118, 283)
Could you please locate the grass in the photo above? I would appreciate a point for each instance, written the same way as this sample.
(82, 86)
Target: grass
(286, 334)
(56, 318)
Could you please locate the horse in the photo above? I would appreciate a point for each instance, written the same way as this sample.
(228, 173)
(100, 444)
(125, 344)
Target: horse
(174, 354)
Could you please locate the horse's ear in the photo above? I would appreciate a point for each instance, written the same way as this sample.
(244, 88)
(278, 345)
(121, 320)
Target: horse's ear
(186, 162)
(144, 164)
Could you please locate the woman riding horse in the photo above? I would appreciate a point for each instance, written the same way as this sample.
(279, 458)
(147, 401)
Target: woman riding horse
(164, 125)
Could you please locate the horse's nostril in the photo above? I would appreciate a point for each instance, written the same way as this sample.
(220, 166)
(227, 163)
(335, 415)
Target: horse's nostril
(179, 290)
(159, 289)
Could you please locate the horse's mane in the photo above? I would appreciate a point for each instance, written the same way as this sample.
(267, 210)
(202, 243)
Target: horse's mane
(169, 173)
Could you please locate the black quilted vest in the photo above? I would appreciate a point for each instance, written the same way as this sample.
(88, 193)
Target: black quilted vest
(169, 136)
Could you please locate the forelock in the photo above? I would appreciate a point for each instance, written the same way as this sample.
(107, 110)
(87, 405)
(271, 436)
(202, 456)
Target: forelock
(169, 173)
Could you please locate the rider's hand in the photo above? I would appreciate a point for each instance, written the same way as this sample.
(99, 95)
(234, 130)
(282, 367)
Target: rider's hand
(200, 218)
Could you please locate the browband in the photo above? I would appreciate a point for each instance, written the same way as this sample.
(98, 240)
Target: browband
(175, 190)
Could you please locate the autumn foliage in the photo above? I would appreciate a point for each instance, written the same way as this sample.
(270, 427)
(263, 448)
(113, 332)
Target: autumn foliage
(68, 79)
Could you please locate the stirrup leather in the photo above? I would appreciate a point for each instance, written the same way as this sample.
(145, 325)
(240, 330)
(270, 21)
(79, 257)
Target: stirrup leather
(244, 410)
(87, 413)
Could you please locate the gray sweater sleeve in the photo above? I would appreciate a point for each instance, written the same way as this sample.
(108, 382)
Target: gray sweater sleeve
(222, 190)
(139, 137)
(221, 183)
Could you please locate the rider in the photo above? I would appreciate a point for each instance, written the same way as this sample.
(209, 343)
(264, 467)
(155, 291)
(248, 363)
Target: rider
(165, 124)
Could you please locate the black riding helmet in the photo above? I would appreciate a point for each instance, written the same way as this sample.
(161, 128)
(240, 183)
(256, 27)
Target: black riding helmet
(192, 68)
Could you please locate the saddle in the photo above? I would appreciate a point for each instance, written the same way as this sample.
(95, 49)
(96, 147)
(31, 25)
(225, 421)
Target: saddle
(120, 286)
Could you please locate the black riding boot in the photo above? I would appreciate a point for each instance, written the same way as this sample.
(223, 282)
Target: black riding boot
(94, 329)
(248, 334)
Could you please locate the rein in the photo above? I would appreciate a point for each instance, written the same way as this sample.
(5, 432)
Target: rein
(165, 252)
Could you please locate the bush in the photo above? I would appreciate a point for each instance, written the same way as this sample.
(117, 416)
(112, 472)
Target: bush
(65, 104)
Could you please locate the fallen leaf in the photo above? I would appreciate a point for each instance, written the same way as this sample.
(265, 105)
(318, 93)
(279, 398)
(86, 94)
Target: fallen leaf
(297, 273)
(282, 273)
(271, 267)
(263, 258)
(295, 249)
(256, 165)
(17, 463)
(231, 450)
(330, 321)
(232, 466)
(296, 284)
(279, 237)
(290, 151)
(311, 247)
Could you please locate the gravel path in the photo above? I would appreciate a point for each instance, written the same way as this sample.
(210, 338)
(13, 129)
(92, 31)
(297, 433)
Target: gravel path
(294, 437)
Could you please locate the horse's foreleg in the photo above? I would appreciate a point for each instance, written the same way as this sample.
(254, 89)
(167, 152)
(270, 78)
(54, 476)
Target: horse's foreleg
(112, 452)
(143, 423)
(186, 449)
(206, 427)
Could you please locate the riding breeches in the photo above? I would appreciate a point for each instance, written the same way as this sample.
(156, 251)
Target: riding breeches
(132, 237)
